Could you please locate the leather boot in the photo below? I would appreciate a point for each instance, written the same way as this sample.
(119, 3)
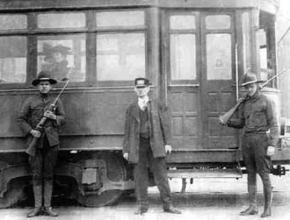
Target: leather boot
(267, 203)
(37, 191)
(253, 208)
(171, 209)
(143, 207)
(47, 198)
(48, 211)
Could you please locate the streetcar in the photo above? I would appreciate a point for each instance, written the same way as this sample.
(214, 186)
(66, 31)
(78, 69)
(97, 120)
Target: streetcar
(194, 53)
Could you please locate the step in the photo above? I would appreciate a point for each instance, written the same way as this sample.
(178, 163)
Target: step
(205, 173)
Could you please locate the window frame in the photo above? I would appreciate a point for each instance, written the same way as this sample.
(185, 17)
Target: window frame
(32, 32)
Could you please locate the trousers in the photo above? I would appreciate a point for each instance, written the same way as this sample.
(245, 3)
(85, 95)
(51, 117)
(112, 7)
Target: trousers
(254, 149)
(141, 175)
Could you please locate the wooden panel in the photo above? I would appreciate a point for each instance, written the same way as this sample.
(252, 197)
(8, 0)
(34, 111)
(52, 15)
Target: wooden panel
(185, 120)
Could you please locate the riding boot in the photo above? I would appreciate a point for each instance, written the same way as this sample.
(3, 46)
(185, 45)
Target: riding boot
(47, 198)
(253, 208)
(267, 202)
(37, 191)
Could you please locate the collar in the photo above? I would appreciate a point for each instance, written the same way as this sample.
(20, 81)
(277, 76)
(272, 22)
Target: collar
(143, 100)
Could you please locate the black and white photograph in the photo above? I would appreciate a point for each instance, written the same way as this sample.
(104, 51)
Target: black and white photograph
(145, 109)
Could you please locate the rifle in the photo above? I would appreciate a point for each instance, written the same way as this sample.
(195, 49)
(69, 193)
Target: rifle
(31, 150)
(227, 116)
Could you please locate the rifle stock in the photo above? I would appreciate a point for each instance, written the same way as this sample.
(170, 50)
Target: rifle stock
(227, 116)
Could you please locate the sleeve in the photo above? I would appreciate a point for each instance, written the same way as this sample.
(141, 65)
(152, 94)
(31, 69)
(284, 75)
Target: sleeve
(164, 115)
(239, 120)
(22, 118)
(60, 114)
(272, 121)
(126, 132)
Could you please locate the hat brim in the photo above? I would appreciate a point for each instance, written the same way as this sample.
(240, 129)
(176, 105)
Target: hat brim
(251, 82)
(37, 81)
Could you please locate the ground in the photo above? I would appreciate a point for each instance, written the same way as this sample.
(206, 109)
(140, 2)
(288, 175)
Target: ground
(205, 199)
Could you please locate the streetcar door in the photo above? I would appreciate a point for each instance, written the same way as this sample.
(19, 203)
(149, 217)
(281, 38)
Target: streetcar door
(219, 53)
(199, 69)
(181, 67)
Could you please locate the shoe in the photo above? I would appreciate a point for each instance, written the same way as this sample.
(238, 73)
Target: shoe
(266, 213)
(141, 211)
(48, 211)
(34, 212)
(172, 210)
(251, 210)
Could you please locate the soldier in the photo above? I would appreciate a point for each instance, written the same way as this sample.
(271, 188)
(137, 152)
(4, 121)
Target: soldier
(43, 163)
(257, 117)
(146, 142)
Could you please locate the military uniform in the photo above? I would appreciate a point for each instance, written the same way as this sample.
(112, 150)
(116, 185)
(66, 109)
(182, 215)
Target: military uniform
(257, 117)
(44, 161)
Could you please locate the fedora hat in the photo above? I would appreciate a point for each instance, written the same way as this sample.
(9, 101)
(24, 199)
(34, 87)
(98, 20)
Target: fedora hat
(43, 76)
(250, 78)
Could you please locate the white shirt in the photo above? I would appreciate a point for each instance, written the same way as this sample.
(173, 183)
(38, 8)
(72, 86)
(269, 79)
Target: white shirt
(143, 102)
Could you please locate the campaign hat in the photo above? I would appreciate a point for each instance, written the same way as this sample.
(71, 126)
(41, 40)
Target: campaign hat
(43, 76)
(250, 78)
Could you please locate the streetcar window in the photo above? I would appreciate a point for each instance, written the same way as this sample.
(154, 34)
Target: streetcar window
(61, 20)
(63, 56)
(218, 22)
(13, 59)
(120, 56)
(13, 22)
(120, 18)
(183, 56)
(219, 56)
(179, 22)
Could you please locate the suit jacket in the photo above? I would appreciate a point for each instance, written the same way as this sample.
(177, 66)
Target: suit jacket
(160, 133)
(31, 113)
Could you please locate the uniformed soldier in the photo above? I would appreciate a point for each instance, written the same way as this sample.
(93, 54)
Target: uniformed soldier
(43, 163)
(259, 120)
(146, 142)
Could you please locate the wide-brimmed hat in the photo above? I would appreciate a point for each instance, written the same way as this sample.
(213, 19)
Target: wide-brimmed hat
(142, 82)
(43, 76)
(250, 78)
(48, 50)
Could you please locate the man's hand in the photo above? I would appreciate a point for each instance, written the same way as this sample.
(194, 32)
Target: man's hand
(126, 156)
(50, 115)
(168, 149)
(270, 151)
(35, 133)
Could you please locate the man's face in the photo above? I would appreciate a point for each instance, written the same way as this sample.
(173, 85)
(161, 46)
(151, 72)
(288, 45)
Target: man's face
(252, 88)
(142, 91)
(58, 57)
(44, 87)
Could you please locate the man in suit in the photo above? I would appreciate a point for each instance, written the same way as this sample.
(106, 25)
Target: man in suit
(146, 142)
(43, 163)
(259, 121)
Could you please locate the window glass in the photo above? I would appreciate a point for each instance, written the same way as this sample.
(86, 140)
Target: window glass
(219, 59)
(13, 59)
(183, 56)
(63, 56)
(218, 22)
(120, 56)
(12, 22)
(117, 19)
(180, 22)
(61, 20)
